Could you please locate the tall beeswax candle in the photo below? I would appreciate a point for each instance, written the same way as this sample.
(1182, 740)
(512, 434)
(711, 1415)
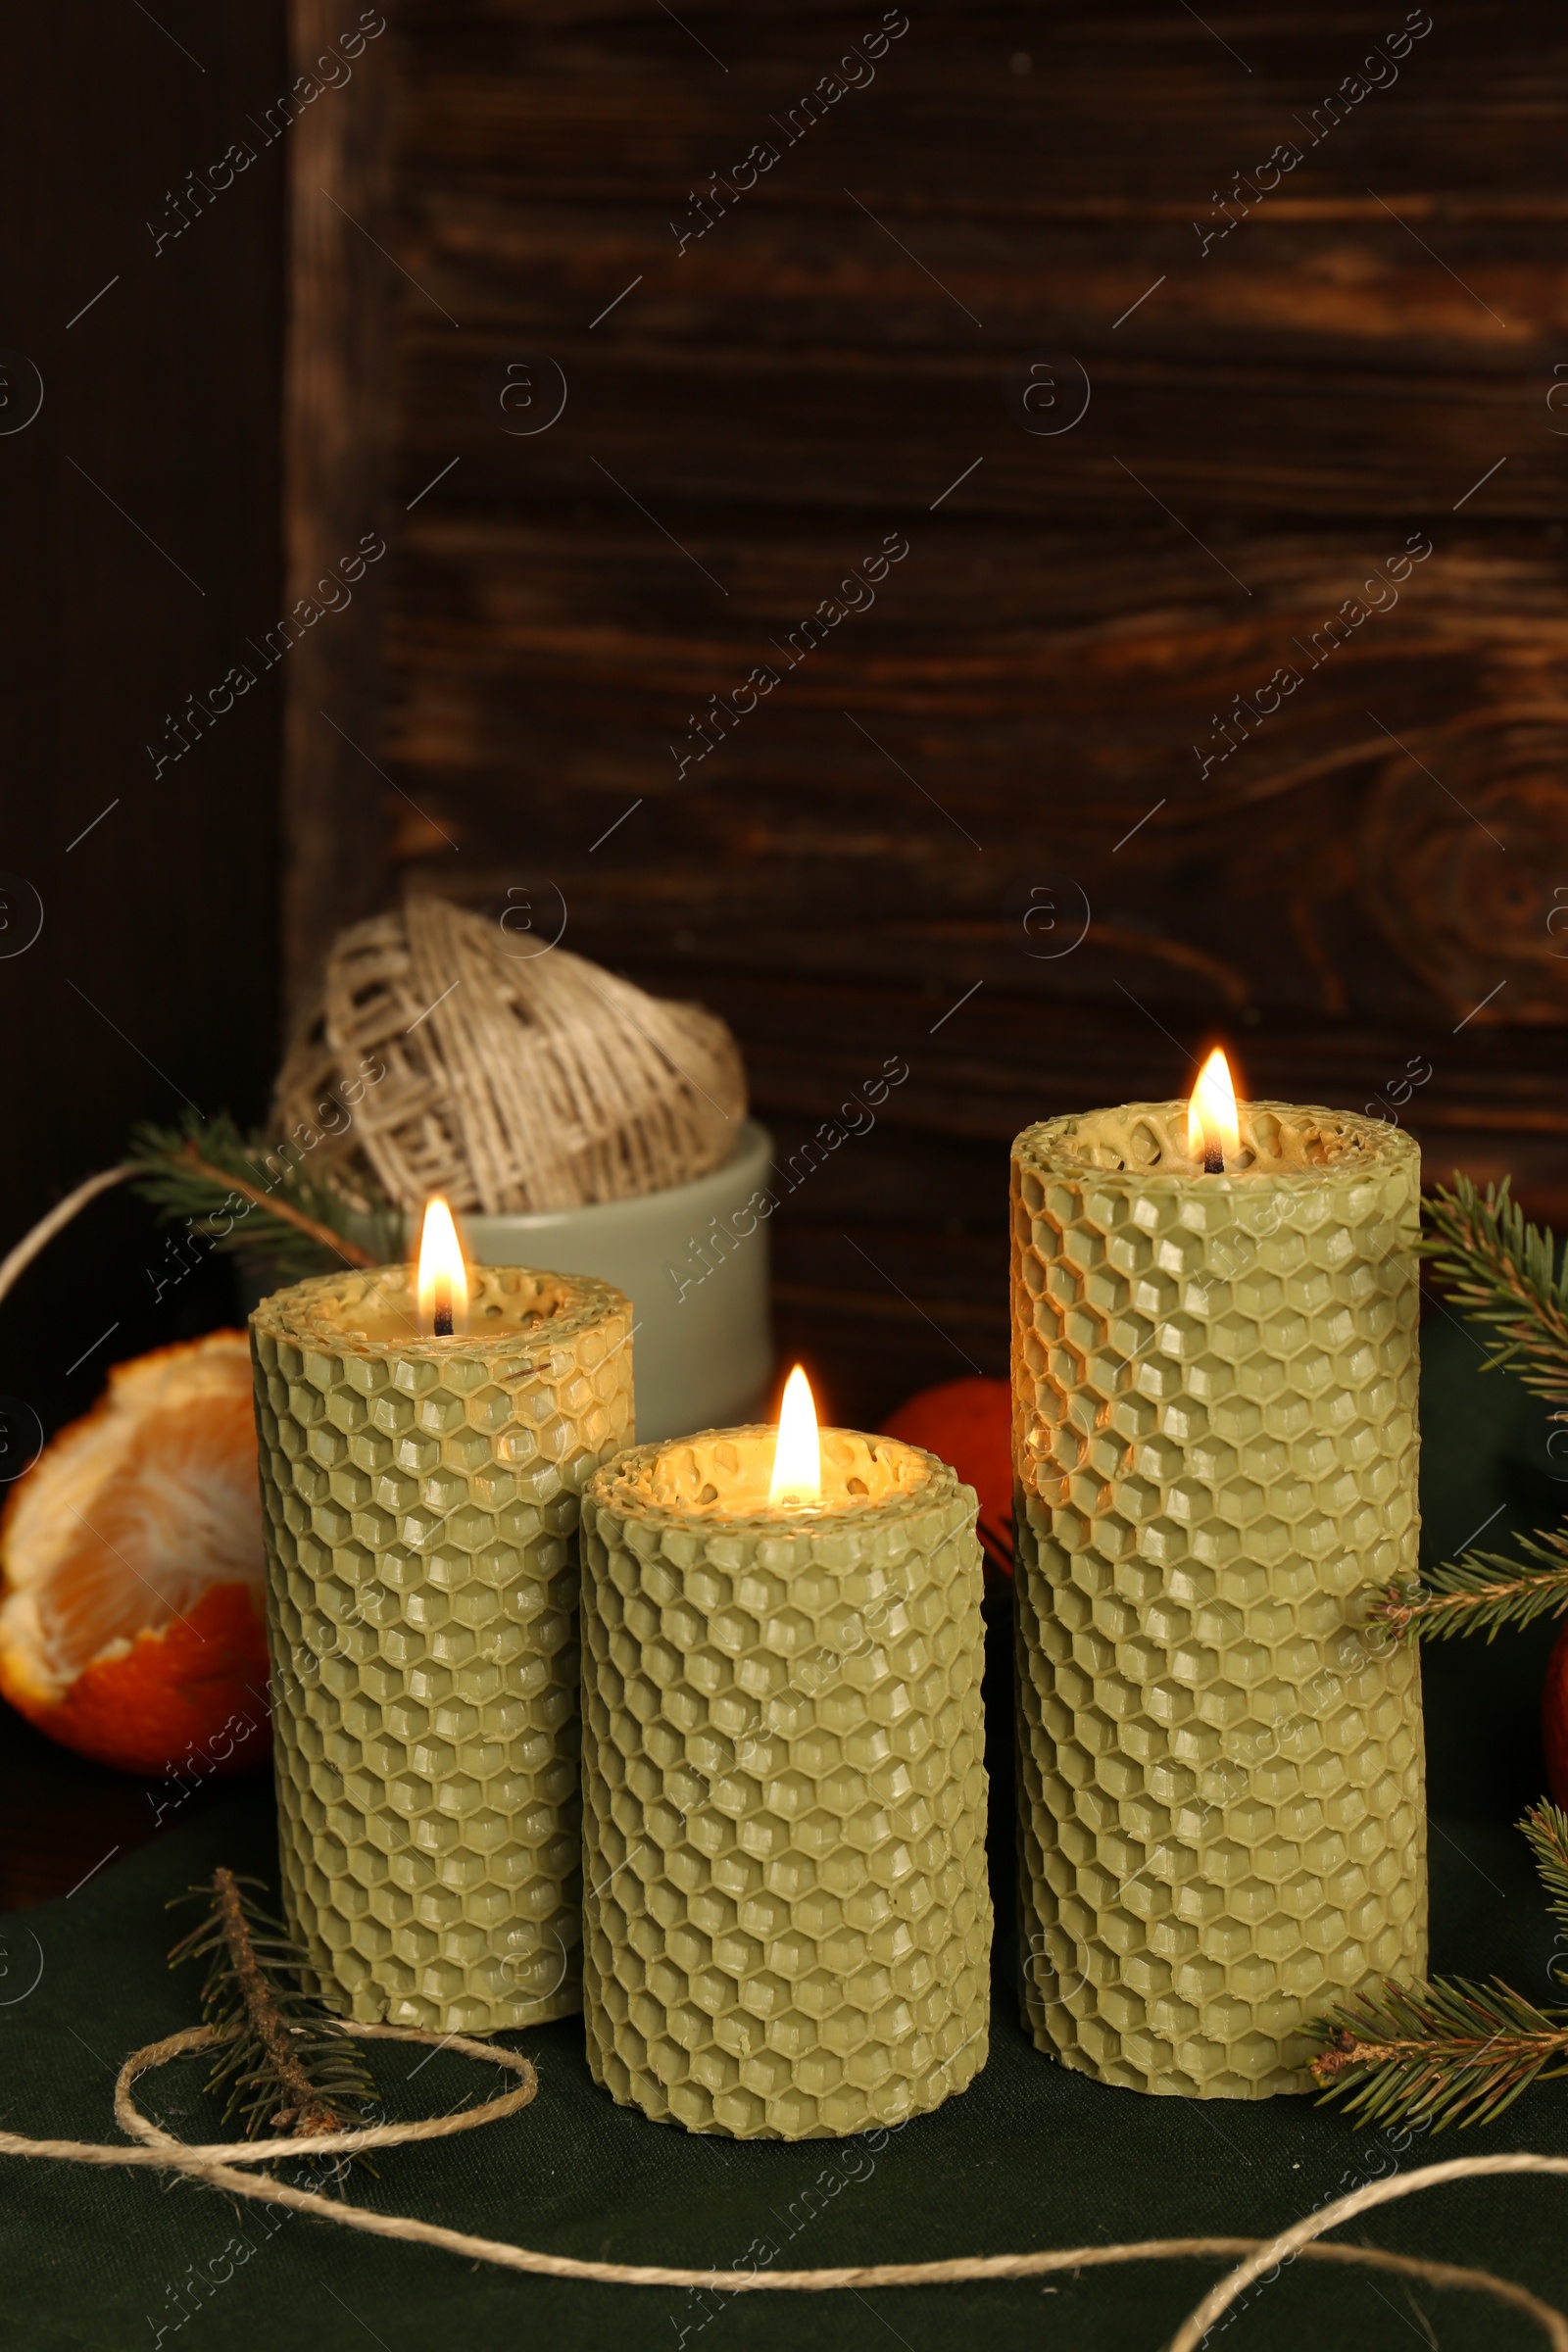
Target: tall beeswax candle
(1221, 1826)
(788, 1927)
(421, 1498)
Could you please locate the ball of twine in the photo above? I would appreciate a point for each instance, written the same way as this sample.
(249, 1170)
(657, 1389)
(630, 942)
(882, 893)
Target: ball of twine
(517, 1076)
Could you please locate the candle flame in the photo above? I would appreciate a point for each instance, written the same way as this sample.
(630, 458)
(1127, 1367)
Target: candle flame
(443, 1281)
(797, 1453)
(1211, 1122)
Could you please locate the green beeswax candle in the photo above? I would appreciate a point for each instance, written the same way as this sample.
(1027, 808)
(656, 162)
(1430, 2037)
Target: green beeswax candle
(788, 1927)
(420, 1499)
(1221, 1822)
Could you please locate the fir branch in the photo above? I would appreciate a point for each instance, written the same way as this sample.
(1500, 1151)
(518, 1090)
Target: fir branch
(1451, 2051)
(205, 1173)
(283, 2063)
(1510, 1277)
(1482, 1593)
(323, 1235)
(1546, 1826)
(1504, 1274)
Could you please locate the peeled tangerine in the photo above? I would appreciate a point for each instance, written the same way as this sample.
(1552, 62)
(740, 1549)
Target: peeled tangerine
(132, 1623)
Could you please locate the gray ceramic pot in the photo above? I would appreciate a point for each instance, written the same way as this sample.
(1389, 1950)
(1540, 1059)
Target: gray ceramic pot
(693, 1261)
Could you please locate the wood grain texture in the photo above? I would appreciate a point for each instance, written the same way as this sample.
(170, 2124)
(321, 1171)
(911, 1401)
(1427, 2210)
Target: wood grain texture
(1045, 730)
(337, 422)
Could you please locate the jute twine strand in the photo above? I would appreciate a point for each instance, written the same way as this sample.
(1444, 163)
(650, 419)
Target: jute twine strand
(15, 1263)
(517, 1076)
(221, 2164)
(1299, 2236)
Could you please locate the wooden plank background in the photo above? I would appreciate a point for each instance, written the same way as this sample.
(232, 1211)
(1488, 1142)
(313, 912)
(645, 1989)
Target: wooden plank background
(996, 759)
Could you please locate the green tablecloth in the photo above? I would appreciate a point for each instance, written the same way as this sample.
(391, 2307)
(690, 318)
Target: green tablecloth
(1031, 2156)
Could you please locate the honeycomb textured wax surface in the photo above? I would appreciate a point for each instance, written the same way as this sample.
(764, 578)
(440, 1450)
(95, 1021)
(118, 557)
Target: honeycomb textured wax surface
(787, 1919)
(421, 1500)
(1221, 1803)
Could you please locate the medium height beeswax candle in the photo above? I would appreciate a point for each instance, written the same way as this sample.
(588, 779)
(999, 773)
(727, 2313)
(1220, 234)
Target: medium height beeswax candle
(419, 1492)
(1222, 1827)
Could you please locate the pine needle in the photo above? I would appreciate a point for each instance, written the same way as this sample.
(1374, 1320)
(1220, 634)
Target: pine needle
(283, 2064)
(1450, 2051)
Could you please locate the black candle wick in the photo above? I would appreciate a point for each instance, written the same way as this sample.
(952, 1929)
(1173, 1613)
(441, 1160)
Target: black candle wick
(1213, 1160)
(443, 1313)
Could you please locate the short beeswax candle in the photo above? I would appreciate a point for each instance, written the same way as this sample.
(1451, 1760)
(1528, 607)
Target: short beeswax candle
(420, 1488)
(1222, 1827)
(788, 1927)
